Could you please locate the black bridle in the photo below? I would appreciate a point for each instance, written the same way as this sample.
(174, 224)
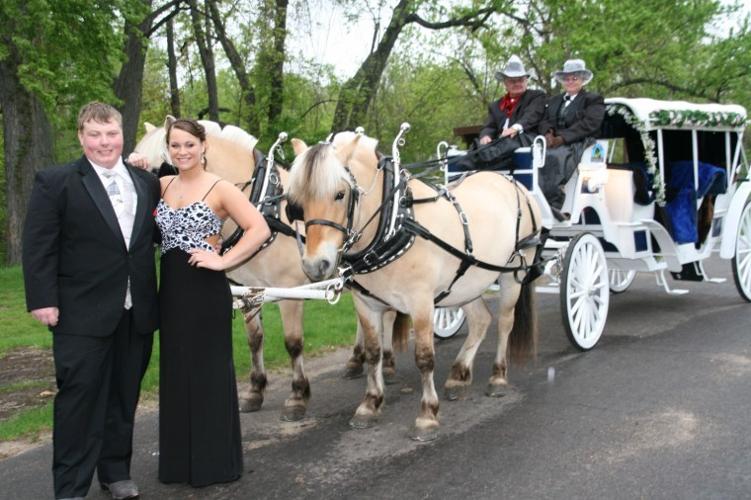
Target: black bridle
(296, 212)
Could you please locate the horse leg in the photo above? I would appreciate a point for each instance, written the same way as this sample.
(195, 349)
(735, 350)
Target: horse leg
(297, 403)
(354, 366)
(388, 363)
(370, 407)
(426, 424)
(498, 385)
(252, 399)
(460, 378)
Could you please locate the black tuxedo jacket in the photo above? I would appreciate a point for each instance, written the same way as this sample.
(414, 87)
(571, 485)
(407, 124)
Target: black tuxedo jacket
(74, 254)
(527, 113)
(583, 120)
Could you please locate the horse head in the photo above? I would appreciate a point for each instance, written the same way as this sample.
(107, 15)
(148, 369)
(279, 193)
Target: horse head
(324, 190)
(154, 146)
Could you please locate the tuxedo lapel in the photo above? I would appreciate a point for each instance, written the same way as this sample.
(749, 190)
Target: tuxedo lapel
(94, 186)
(141, 205)
(555, 106)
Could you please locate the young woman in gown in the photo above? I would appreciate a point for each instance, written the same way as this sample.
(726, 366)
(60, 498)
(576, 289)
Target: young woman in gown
(199, 424)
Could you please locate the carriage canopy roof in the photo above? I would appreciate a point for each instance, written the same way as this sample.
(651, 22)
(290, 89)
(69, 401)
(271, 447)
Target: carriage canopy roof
(652, 114)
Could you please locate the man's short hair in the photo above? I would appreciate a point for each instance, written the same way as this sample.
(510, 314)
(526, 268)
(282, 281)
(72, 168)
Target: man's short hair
(99, 112)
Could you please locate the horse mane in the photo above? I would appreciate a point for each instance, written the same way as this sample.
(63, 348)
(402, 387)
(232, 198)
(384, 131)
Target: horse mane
(154, 146)
(230, 133)
(316, 174)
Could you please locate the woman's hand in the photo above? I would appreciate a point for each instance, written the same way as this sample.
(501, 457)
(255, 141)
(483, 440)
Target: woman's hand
(206, 260)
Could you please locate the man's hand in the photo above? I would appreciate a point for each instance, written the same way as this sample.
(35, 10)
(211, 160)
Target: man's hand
(509, 132)
(553, 141)
(485, 139)
(138, 160)
(47, 316)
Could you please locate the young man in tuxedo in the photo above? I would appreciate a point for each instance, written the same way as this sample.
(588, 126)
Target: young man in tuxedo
(88, 263)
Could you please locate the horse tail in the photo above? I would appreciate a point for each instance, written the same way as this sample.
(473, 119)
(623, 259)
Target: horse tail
(401, 332)
(523, 337)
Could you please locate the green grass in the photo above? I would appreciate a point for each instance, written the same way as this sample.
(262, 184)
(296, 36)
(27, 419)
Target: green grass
(325, 327)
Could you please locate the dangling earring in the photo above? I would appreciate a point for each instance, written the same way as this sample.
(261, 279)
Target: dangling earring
(203, 159)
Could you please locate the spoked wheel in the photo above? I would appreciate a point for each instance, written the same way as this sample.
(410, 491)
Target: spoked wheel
(585, 291)
(620, 280)
(447, 321)
(742, 258)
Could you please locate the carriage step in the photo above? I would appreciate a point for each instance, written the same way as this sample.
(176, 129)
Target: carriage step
(663, 282)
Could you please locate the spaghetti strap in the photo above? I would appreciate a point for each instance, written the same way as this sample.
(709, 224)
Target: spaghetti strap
(212, 187)
(168, 185)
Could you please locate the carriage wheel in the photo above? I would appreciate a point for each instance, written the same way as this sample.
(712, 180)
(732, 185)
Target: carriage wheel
(447, 321)
(585, 291)
(742, 258)
(620, 280)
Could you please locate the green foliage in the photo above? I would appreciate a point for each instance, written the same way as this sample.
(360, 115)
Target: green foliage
(66, 51)
(18, 327)
(433, 98)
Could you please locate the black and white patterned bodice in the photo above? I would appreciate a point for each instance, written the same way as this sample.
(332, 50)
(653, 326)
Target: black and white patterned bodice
(187, 227)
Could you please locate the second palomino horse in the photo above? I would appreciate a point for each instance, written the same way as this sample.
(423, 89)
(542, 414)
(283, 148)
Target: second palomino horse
(230, 154)
(338, 191)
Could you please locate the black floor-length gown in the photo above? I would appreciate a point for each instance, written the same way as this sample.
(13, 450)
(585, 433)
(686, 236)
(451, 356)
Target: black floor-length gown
(199, 423)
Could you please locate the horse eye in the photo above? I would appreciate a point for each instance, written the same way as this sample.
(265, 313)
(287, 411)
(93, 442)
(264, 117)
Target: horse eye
(339, 196)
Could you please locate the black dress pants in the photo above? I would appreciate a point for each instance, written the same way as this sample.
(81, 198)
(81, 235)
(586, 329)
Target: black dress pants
(98, 380)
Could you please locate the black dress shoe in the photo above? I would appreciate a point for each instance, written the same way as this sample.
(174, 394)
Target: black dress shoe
(121, 490)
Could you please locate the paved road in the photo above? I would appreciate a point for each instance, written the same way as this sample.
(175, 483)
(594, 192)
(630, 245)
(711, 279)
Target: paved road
(659, 409)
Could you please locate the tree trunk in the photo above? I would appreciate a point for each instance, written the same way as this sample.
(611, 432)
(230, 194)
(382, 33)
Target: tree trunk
(276, 69)
(174, 89)
(129, 82)
(238, 66)
(203, 42)
(28, 140)
(357, 93)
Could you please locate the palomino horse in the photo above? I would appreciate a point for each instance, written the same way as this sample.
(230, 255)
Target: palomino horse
(337, 187)
(229, 154)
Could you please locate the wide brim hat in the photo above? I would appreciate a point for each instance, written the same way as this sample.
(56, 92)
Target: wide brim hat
(514, 69)
(574, 66)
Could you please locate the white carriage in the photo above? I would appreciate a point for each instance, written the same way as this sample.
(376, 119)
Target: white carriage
(633, 205)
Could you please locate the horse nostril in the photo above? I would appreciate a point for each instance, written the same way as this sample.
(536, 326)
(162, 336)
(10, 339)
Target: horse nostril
(323, 266)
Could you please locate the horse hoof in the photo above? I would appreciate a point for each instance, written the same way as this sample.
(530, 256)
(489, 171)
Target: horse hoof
(424, 435)
(496, 391)
(353, 372)
(389, 377)
(251, 404)
(455, 392)
(362, 422)
(292, 413)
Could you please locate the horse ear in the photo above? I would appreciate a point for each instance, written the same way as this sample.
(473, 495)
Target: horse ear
(149, 127)
(169, 120)
(298, 146)
(345, 151)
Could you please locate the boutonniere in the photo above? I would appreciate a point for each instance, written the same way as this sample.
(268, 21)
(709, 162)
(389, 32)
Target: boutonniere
(153, 214)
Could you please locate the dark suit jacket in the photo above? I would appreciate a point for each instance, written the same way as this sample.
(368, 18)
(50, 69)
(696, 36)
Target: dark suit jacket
(74, 254)
(583, 120)
(527, 114)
